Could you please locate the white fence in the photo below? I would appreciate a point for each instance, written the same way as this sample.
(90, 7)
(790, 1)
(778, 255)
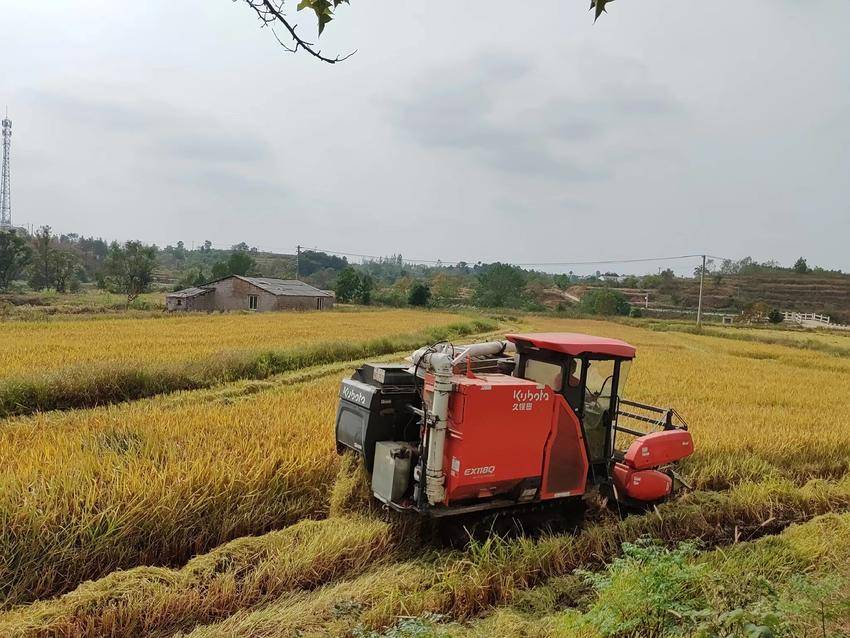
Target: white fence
(800, 317)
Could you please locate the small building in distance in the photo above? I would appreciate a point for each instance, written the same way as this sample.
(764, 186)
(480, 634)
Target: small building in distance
(250, 293)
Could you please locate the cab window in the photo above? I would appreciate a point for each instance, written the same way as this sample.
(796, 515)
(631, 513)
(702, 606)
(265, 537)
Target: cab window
(550, 374)
(574, 378)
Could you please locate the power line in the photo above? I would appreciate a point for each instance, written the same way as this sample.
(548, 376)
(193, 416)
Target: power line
(599, 262)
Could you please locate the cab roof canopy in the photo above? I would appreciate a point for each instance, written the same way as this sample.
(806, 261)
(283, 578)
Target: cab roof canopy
(574, 343)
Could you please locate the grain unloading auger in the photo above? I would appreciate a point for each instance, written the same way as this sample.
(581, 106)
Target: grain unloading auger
(524, 426)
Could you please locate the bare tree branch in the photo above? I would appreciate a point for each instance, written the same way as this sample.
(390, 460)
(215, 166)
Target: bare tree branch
(270, 13)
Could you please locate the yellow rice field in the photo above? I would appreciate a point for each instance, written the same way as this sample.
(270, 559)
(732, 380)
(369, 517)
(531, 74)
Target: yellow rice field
(155, 482)
(32, 347)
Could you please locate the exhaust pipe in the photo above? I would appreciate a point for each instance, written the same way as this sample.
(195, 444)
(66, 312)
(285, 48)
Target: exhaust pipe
(435, 478)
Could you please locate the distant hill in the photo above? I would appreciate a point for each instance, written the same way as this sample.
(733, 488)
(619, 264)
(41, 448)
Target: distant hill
(788, 291)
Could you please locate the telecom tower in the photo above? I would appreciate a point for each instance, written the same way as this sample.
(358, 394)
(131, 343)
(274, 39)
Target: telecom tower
(6, 190)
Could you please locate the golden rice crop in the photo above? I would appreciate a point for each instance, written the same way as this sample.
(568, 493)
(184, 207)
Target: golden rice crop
(30, 347)
(156, 481)
(111, 382)
(153, 482)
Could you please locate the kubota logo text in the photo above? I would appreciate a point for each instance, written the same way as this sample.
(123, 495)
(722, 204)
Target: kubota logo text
(522, 396)
(480, 471)
(524, 400)
(353, 395)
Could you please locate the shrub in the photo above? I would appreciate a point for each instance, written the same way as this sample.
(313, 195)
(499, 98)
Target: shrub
(500, 285)
(605, 301)
(420, 294)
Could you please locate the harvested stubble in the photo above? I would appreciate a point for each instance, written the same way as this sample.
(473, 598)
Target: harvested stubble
(238, 575)
(102, 383)
(352, 563)
(463, 586)
(798, 580)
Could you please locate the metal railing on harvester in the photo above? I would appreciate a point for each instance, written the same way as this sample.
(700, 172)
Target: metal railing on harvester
(645, 414)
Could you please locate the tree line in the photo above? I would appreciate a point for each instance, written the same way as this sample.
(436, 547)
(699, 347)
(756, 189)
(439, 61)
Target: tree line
(64, 263)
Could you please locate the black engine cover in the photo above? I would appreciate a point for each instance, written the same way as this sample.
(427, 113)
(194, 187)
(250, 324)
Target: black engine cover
(373, 406)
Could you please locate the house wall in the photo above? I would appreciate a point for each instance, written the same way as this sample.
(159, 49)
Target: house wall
(200, 302)
(232, 294)
(287, 302)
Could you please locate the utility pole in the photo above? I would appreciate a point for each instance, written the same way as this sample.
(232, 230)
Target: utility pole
(298, 263)
(699, 305)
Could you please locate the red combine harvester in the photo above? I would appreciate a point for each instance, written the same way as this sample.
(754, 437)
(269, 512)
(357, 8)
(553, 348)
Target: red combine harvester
(514, 427)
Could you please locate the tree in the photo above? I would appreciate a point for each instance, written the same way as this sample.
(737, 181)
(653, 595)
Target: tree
(562, 281)
(193, 278)
(271, 13)
(347, 284)
(41, 269)
(65, 267)
(698, 271)
(239, 263)
(801, 267)
(420, 294)
(500, 285)
(364, 289)
(774, 316)
(129, 268)
(605, 301)
(444, 286)
(312, 261)
(15, 254)
(668, 279)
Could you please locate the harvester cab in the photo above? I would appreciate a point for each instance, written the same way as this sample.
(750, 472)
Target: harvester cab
(536, 421)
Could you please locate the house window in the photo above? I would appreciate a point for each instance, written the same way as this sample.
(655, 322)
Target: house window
(253, 302)
(179, 302)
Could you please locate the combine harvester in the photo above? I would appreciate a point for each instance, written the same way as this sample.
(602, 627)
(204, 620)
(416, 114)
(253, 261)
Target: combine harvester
(514, 432)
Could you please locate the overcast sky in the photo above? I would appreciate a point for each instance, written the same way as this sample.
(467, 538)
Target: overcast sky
(474, 131)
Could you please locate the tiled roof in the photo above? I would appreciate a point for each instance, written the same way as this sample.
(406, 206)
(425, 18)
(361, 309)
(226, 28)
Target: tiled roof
(189, 292)
(277, 287)
(287, 287)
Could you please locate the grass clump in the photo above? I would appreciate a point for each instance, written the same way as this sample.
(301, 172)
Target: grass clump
(650, 588)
